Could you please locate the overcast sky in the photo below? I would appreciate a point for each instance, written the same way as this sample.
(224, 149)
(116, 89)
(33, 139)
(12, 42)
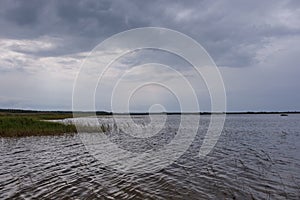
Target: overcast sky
(255, 44)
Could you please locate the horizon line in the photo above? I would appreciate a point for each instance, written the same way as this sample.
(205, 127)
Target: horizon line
(99, 112)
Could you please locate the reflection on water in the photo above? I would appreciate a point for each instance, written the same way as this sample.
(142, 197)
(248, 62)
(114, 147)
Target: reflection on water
(256, 157)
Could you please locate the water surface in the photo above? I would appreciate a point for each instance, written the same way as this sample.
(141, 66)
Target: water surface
(256, 157)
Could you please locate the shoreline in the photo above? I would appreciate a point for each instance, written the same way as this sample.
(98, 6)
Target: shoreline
(22, 123)
(69, 114)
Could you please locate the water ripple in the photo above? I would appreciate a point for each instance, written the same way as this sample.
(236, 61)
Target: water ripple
(256, 158)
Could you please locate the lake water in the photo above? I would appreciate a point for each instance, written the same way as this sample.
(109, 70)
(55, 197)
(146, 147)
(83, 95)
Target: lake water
(256, 157)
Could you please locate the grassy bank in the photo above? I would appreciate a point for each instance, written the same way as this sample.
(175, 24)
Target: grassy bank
(40, 115)
(21, 124)
(17, 126)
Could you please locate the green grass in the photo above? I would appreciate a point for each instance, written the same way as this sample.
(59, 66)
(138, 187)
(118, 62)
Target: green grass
(17, 126)
(20, 124)
(42, 115)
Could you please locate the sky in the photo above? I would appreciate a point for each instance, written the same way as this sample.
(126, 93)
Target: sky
(255, 44)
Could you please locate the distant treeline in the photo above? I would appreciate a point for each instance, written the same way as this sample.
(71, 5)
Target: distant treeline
(49, 112)
(142, 113)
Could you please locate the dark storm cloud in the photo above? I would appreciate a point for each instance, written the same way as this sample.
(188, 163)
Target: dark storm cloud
(23, 12)
(231, 31)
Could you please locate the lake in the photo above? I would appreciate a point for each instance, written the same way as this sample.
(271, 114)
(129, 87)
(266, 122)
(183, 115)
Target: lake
(256, 157)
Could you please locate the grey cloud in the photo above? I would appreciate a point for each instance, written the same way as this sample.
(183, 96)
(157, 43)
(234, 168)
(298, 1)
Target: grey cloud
(23, 12)
(237, 34)
(231, 31)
